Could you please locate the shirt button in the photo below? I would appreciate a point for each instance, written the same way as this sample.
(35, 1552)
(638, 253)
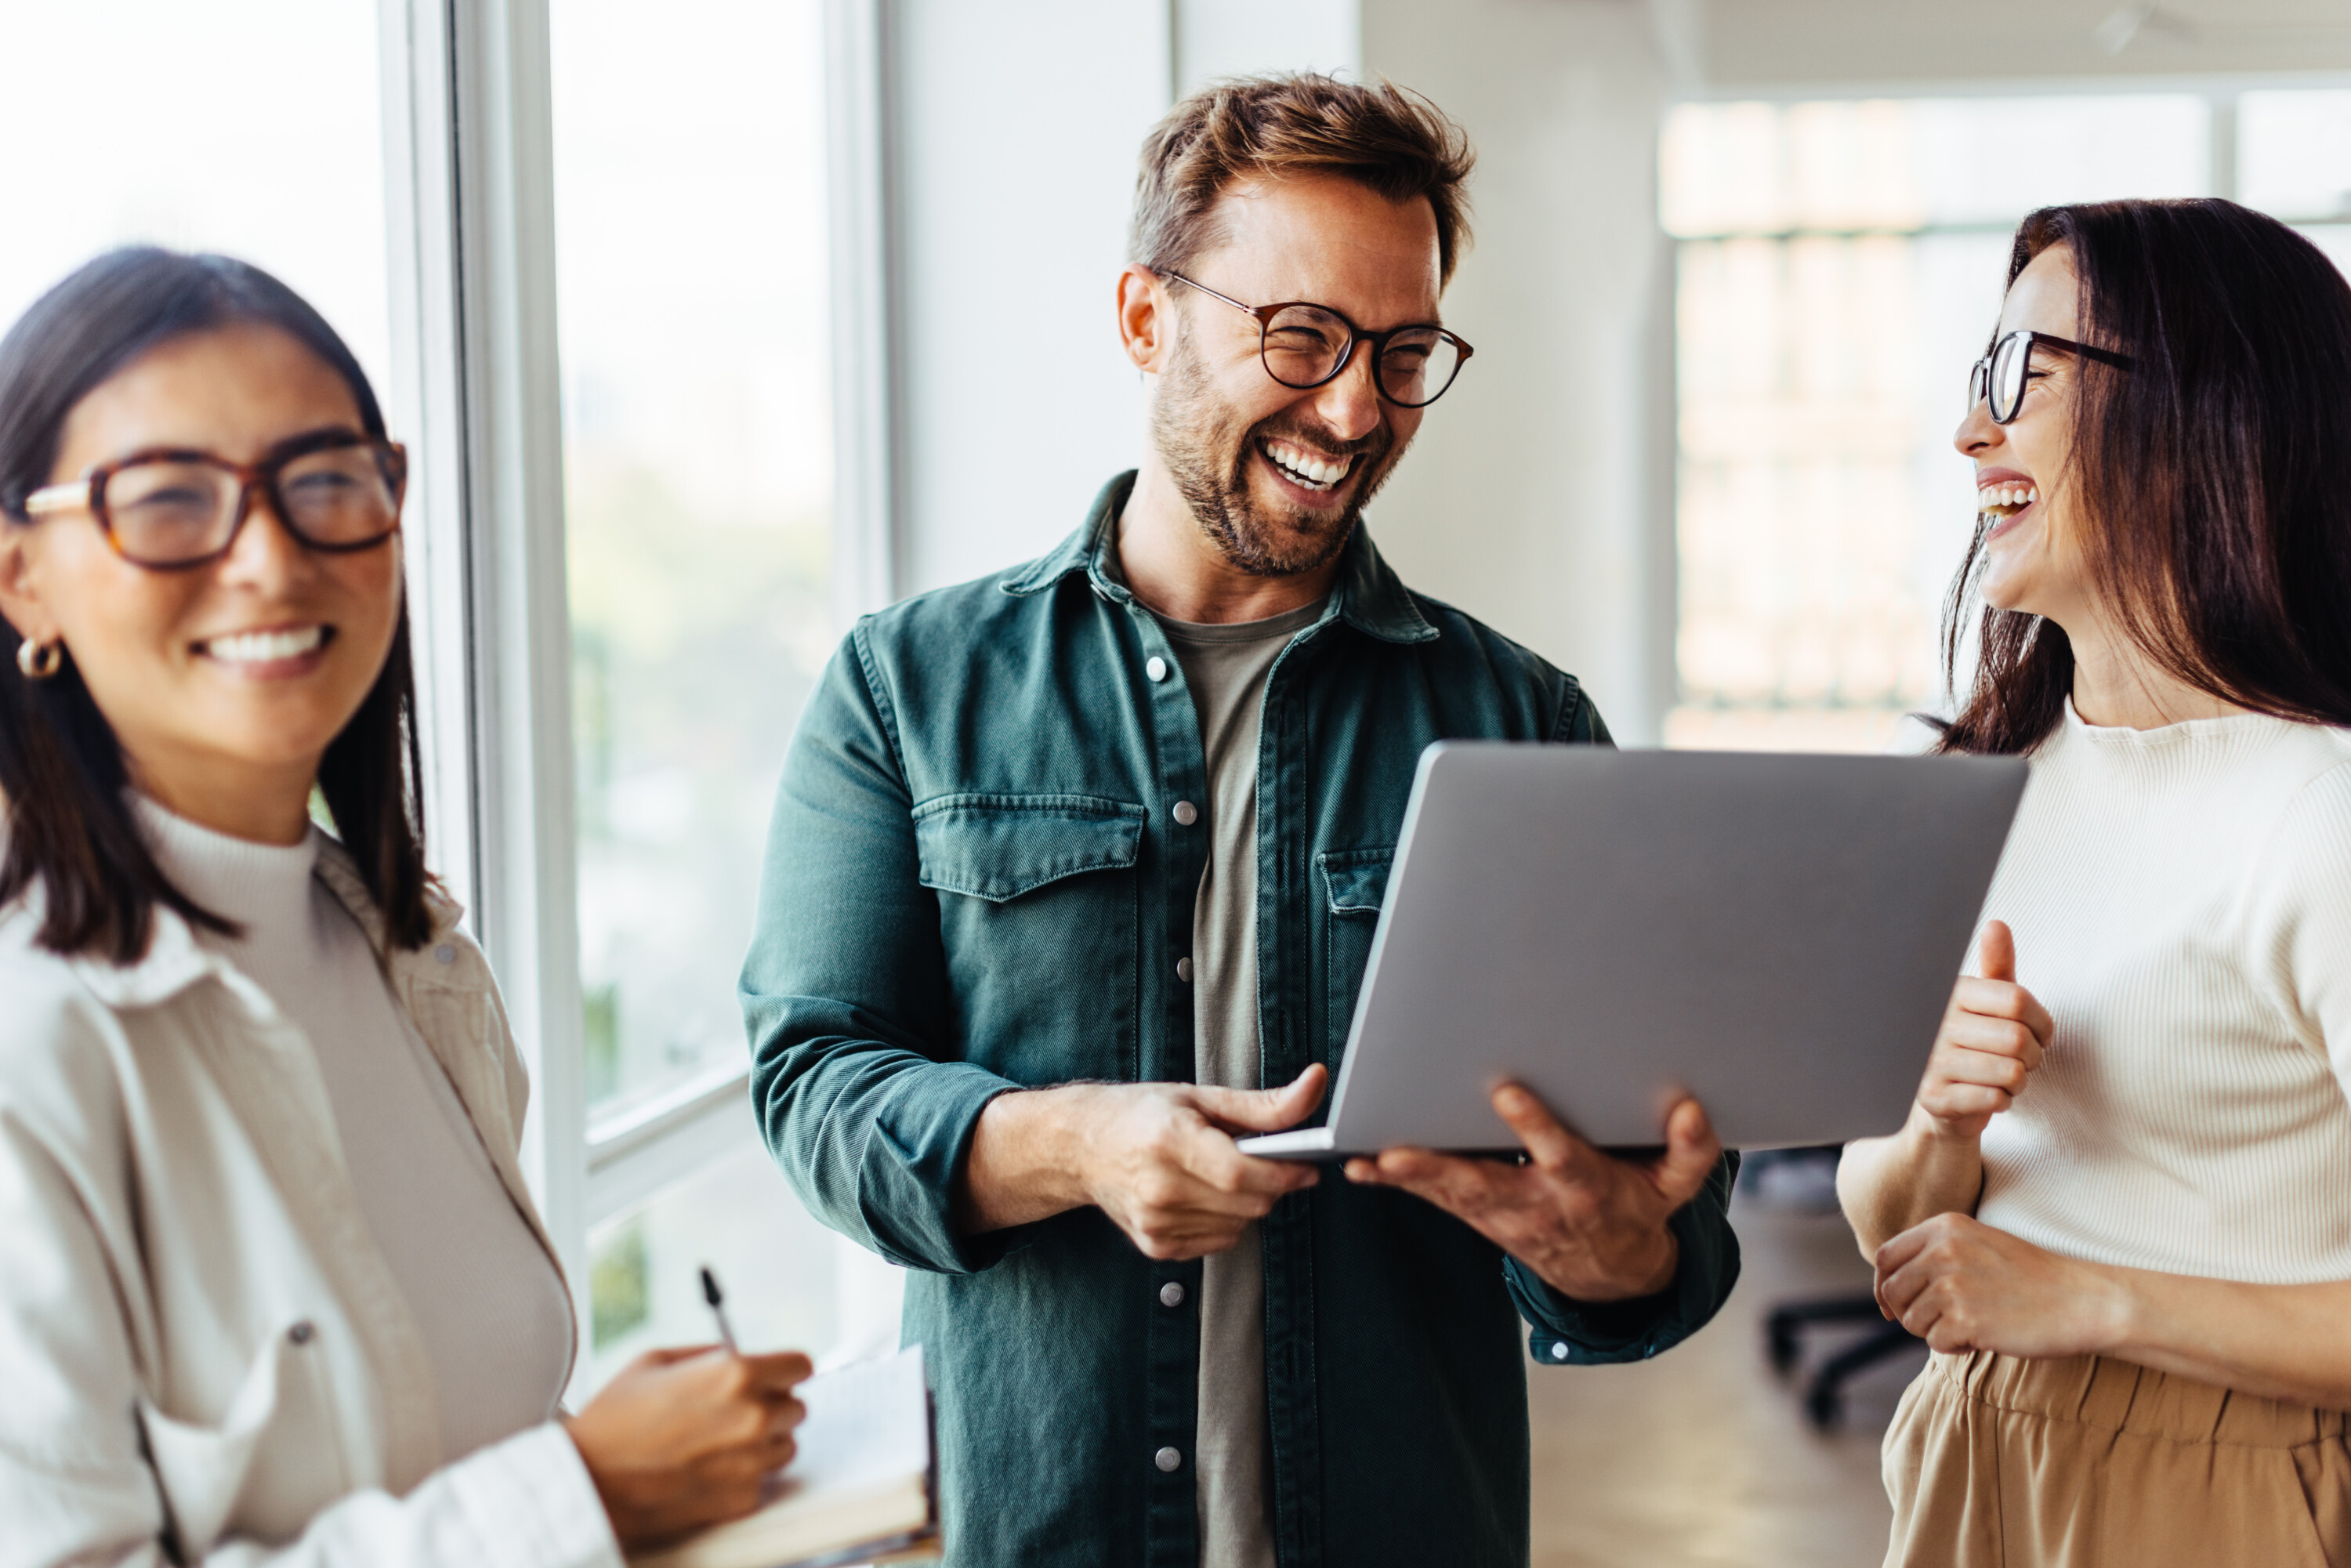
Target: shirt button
(1185, 813)
(1168, 1459)
(301, 1332)
(1156, 667)
(1184, 970)
(1171, 1294)
(445, 953)
(1559, 1350)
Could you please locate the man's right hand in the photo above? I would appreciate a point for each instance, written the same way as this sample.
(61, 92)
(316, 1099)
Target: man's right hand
(1158, 1158)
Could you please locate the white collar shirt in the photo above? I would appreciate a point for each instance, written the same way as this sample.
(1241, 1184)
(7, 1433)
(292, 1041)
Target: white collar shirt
(205, 1355)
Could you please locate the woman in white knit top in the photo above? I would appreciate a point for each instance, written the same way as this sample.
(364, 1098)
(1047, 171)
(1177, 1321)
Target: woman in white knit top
(2120, 1211)
(272, 1288)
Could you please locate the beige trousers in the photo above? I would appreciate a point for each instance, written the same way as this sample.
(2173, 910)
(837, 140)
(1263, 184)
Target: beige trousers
(1992, 1462)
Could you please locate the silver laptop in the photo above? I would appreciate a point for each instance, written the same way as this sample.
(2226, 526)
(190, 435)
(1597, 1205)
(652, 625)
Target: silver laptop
(1776, 935)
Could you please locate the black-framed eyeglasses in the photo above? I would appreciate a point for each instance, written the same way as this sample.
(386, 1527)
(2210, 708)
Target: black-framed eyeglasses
(1304, 346)
(2004, 374)
(169, 508)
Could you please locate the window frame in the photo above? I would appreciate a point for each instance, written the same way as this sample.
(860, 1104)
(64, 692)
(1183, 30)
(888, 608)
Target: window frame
(475, 389)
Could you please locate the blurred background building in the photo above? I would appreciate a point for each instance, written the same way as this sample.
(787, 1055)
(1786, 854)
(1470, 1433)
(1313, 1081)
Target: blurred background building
(716, 323)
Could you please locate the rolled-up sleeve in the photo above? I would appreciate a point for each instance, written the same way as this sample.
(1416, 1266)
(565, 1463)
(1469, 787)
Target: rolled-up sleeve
(1568, 1332)
(845, 994)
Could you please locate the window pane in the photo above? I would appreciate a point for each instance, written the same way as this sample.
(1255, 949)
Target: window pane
(690, 248)
(790, 1283)
(1761, 168)
(2294, 153)
(1822, 509)
(246, 126)
(2082, 150)
(2335, 239)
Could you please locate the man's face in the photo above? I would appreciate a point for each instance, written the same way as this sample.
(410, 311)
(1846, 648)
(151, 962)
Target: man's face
(1276, 477)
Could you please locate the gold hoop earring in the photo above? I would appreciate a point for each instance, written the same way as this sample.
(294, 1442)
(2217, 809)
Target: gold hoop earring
(39, 661)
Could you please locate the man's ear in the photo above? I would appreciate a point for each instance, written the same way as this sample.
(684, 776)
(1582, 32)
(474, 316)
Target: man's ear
(1142, 320)
(20, 601)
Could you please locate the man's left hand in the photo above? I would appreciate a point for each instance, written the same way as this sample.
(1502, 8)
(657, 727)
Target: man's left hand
(1592, 1226)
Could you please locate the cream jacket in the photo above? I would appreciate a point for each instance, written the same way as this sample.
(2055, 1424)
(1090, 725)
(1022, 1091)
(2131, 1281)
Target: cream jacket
(204, 1357)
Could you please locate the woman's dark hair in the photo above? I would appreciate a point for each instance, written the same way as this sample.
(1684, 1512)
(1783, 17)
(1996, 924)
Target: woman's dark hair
(2210, 482)
(62, 774)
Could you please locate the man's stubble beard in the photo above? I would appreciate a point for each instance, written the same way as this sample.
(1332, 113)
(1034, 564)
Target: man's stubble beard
(1192, 431)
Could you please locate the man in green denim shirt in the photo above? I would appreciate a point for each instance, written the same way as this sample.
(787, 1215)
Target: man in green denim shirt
(971, 994)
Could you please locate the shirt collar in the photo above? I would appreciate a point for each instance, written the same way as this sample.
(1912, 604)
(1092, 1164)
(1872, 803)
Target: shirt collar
(1367, 594)
(176, 960)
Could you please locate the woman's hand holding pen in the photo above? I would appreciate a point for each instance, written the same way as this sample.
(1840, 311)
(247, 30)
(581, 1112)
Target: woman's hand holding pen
(683, 1438)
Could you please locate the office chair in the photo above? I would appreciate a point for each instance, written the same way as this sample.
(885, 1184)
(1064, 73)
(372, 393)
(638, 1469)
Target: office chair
(1806, 1178)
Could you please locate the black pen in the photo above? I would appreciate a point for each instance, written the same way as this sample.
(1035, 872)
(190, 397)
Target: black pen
(711, 1293)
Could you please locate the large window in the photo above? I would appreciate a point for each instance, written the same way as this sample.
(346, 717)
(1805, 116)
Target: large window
(1840, 266)
(689, 165)
(155, 121)
(623, 212)
(690, 244)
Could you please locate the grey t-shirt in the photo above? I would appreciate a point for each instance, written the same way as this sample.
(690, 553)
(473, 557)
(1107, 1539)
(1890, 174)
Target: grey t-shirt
(1225, 666)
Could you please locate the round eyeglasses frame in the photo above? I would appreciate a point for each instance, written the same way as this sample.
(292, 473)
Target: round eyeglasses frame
(1983, 385)
(1264, 315)
(89, 491)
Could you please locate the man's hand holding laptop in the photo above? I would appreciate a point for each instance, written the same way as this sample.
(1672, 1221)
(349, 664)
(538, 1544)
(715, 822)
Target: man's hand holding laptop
(1159, 1159)
(1591, 1226)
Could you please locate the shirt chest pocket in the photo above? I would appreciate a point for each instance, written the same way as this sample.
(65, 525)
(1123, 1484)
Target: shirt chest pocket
(275, 1457)
(1037, 915)
(1355, 882)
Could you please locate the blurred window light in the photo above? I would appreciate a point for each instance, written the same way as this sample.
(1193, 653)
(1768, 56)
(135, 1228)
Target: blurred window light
(1994, 160)
(249, 127)
(693, 311)
(1906, 164)
(690, 253)
(790, 1283)
(2293, 153)
(1840, 266)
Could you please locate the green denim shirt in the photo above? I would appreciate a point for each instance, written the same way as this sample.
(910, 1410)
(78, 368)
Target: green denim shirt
(975, 881)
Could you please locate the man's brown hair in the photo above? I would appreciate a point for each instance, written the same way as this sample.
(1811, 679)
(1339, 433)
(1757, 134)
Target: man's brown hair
(1385, 138)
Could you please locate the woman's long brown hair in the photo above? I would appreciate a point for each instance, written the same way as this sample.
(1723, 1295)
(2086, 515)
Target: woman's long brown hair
(2210, 482)
(62, 777)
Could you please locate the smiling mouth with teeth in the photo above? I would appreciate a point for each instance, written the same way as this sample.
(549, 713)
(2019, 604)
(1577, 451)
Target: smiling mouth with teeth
(266, 647)
(1304, 469)
(1998, 501)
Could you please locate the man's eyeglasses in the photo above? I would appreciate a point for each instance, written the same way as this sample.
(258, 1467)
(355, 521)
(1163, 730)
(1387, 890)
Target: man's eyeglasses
(2004, 374)
(168, 508)
(1305, 346)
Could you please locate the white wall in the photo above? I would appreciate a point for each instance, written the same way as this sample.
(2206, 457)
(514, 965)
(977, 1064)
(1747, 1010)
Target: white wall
(1215, 39)
(1539, 495)
(1013, 126)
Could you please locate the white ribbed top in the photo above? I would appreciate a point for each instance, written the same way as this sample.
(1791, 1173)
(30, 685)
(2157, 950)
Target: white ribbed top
(488, 1300)
(2181, 899)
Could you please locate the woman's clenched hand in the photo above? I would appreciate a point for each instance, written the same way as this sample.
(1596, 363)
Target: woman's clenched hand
(1959, 1285)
